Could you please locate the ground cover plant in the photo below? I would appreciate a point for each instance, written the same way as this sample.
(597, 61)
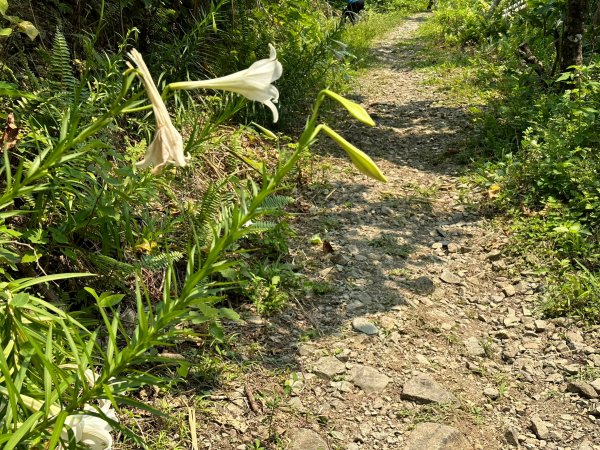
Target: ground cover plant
(537, 129)
(128, 208)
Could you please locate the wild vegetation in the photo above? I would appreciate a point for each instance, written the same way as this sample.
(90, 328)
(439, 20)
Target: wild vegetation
(535, 64)
(106, 264)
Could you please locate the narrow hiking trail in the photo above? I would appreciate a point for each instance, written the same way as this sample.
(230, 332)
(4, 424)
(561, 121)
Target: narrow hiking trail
(430, 337)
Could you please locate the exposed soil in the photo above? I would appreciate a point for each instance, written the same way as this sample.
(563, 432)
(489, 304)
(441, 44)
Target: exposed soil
(452, 352)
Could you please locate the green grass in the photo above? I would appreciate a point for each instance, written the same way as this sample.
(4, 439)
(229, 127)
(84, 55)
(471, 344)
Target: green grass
(360, 37)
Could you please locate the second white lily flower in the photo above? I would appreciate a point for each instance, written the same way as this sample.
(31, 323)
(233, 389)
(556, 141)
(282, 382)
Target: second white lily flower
(254, 83)
(167, 145)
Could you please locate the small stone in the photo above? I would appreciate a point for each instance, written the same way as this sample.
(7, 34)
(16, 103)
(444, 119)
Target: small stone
(540, 325)
(509, 290)
(423, 389)
(571, 369)
(539, 427)
(474, 347)
(338, 258)
(491, 393)
(449, 277)
(494, 255)
(368, 379)
(423, 286)
(328, 366)
(574, 336)
(364, 326)
(296, 403)
(511, 321)
(555, 378)
(305, 439)
(596, 385)
(584, 389)
(453, 248)
(512, 437)
(255, 320)
(342, 386)
(435, 436)
(421, 359)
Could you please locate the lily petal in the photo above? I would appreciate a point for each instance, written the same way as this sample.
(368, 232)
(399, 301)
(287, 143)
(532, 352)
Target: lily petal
(254, 83)
(167, 145)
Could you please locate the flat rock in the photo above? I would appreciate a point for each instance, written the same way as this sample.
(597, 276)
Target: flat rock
(509, 290)
(368, 379)
(512, 437)
(423, 286)
(305, 439)
(449, 277)
(474, 347)
(584, 389)
(596, 385)
(328, 366)
(491, 393)
(364, 326)
(494, 255)
(540, 325)
(424, 389)
(539, 427)
(435, 436)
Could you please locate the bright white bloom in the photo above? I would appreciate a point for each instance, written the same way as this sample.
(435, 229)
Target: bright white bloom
(254, 83)
(167, 145)
(90, 430)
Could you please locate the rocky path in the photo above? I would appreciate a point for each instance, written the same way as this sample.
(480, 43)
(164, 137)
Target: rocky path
(429, 337)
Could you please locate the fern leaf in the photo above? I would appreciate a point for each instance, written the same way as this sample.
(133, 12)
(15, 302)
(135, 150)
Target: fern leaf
(60, 63)
(161, 261)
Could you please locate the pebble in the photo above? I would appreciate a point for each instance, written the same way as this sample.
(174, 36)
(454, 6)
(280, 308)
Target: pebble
(539, 427)
(368, 379)
(424, 389)
(474, 347)
(328, 367)
(435, 436)
(449, 277)
(584, 389)
(364, 326)
(305, 439)
(491, 393)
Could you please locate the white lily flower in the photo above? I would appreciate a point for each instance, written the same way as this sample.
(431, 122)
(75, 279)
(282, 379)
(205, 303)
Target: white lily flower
(91, 430)
(254, 83)
(167, 145)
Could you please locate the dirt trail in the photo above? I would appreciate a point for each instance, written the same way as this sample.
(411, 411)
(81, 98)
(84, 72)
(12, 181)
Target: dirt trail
(430, 338)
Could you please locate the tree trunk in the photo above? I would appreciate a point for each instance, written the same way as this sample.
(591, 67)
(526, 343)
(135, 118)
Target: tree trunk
(572, 40)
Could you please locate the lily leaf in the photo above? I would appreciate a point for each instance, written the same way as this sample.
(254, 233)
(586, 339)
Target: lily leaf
(360, 159)
(3, 6)
(357, 111)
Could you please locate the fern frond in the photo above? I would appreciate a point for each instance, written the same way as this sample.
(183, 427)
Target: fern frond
(106, 264)
(275, 203)
(60, 63)
(209, 213)
(260, 227)
(161, 261)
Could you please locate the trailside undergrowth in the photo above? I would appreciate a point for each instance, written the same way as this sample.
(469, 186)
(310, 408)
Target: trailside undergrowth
(536, 142)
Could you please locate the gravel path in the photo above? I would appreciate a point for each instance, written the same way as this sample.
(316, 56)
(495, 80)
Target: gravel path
(430, 338)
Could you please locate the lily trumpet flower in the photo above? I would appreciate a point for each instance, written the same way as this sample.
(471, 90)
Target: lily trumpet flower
(254, 83)
(167, 145)
(93, 431)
